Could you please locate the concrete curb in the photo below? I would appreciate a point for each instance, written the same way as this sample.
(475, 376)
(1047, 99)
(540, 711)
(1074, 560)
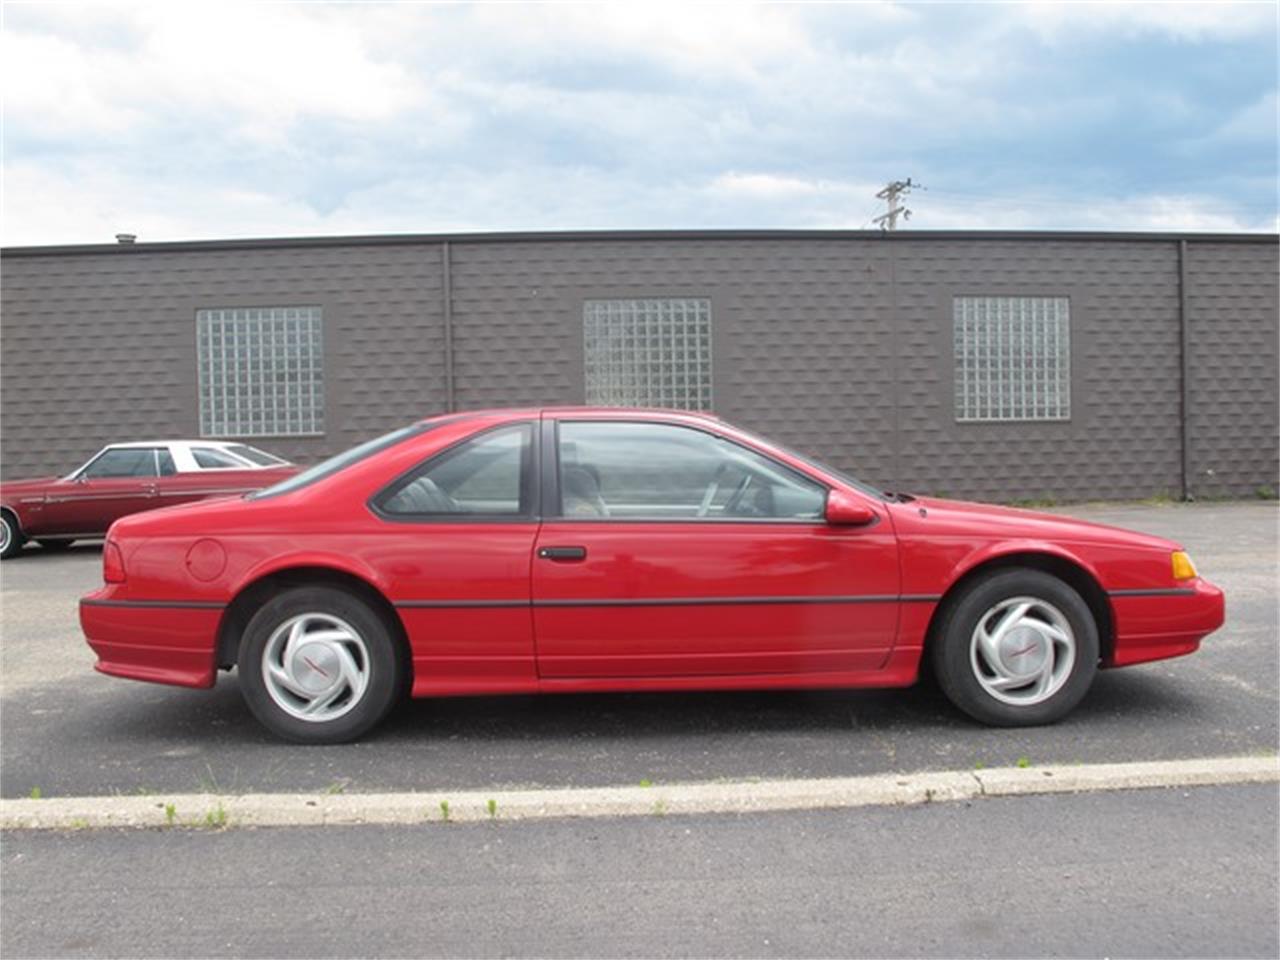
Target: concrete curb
(282, 809)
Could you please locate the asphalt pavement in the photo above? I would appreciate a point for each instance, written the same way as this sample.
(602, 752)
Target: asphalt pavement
(65, 730)
(1167, 872)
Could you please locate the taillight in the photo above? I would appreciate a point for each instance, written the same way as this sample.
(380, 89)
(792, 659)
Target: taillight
(112, 563)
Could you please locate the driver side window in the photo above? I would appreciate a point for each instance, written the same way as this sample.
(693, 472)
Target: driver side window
(664, 472)
(122, 462)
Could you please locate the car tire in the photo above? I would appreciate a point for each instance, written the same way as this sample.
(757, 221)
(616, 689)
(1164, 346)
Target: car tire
(1016, 648)
(319, 665)
(11, 538)
(55, 544)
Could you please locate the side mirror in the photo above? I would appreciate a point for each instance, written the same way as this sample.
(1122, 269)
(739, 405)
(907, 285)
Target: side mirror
(846, 510)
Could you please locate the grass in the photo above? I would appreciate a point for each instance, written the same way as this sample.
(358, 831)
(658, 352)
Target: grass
(1023, 763)
(215, 819)
(444, 810)
(170, 814)
(492, 806)
(1265, 492)
(36, 793)
(646, 783)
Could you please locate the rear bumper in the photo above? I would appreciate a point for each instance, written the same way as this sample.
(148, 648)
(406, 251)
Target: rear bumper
(1157, 625)
(155, 642)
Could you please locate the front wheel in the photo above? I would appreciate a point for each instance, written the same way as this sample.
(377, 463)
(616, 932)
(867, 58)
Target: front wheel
(317, 665)
(1017, 648)
(11, 538)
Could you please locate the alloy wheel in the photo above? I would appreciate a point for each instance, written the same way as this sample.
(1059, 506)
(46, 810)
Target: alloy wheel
(1022, 651)
(315, 667)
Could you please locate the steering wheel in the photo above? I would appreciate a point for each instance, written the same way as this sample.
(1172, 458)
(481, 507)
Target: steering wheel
(712, 488)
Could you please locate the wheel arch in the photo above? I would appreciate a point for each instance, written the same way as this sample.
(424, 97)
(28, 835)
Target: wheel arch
(1067, 569)
(252, 595)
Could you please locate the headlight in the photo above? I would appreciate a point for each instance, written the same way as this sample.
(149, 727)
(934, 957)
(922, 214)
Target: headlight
(1183, 568)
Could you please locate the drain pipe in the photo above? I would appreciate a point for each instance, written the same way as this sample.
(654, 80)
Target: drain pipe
(1184, 324)
(449, 399)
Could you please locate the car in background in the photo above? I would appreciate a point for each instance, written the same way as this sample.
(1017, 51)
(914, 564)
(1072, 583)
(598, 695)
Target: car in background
(126, 478)
(592, 549)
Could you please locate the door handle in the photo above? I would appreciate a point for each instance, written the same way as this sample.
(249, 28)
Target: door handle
(562, 553)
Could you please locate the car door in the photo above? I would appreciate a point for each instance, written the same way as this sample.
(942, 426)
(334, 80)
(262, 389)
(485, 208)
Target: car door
(458, 538)
(671, 551)
(117, 482)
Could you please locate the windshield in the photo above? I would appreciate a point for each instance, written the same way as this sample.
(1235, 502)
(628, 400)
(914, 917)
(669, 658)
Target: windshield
(824, 467)
(328, 468)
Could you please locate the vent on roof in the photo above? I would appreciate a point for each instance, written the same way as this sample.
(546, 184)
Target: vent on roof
(126, 238)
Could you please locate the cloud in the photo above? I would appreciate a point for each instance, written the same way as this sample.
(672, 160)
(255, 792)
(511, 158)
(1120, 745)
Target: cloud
(188, 120)
(1192, 21)
(267, 66)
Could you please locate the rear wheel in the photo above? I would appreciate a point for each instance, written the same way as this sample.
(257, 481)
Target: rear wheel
(318, 665)
(11, 538)
(1017, 648)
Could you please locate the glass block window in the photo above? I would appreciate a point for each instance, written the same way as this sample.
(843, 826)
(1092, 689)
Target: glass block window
(648, 353)
(261, 371)
(1013, 358)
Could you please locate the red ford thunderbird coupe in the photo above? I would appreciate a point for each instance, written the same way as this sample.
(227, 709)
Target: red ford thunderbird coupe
(125, 478)
(524, 551)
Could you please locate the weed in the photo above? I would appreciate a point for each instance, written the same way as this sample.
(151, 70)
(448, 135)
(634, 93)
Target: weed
(170, 814)
(338, 786)
(36, 793)
(646, 783)
(79, 823)
(979, 764)
(1161, 499)
(444, 810)
(216, 818)
(660, 808)
(1265, 492)
(1023, 763)
(493, 808)
(208, 782)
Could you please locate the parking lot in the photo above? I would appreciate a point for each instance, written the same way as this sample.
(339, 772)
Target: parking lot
(69, 731)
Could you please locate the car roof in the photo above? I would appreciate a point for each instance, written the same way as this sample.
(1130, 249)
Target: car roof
(166, 443)
(569, 410)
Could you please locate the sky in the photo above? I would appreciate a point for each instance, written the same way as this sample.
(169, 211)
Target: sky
(191, 121)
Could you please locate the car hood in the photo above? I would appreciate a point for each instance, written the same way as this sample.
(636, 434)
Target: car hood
(33, 485)
(963, 517)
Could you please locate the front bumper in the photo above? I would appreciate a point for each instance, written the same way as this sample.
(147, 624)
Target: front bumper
(1156, 625)
(158, 642)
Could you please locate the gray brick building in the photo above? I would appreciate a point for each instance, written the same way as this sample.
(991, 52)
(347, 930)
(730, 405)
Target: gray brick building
(990, 365)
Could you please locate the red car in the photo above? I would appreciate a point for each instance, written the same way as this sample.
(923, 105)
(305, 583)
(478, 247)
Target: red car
(540, 551)
(125, 478)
